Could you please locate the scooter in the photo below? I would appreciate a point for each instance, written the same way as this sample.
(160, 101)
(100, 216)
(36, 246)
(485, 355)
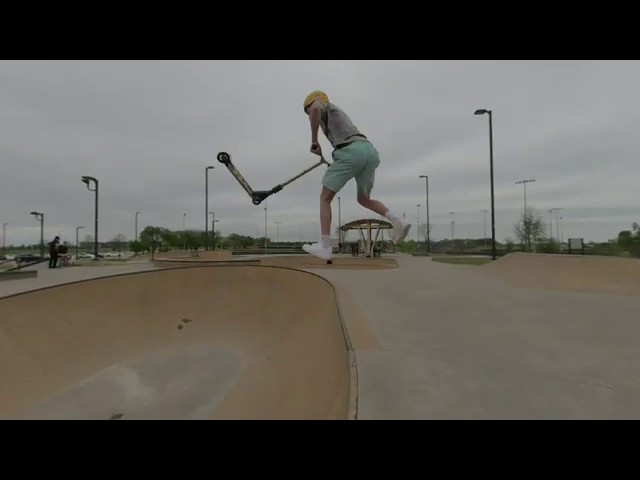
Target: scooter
(258, 196)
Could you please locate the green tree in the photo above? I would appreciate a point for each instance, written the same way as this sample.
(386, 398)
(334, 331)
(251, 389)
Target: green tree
(509, 244)
(625, 238)
(195, 240)
(155, 237)
(216, 240)
(629, 240)
(237, 242)
(171, 239)
(137, 246)
(531, 229)
(259, 242)
(119, 241)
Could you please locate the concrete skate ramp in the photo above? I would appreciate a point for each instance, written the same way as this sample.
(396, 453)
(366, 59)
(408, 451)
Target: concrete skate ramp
(582, 273)
(245, 342)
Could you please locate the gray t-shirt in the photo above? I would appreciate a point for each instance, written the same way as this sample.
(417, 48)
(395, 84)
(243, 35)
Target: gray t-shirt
(338, 127)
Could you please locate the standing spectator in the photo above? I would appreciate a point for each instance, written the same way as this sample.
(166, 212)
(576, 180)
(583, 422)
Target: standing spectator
(53, 252)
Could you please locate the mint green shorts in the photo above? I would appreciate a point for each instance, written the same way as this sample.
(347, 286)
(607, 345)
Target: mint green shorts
(357, 160)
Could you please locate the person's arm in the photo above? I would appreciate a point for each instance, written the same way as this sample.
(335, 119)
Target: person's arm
(315, 112)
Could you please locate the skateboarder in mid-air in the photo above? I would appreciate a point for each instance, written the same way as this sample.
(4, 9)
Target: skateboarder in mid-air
(354, 156)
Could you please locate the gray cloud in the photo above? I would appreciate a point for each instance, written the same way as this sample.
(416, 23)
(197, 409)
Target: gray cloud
(148, 129)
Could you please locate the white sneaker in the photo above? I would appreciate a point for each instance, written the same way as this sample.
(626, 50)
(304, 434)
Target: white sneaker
(400, 231)
(318, 250)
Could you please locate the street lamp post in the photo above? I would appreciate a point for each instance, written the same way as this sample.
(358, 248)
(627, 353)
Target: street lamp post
(213, 230)
(482, 111)
(40, 216)
(453, 231)
(4, 238)
(427, 233)
(206, 207)
(557, 209)
(524, 182)
(265, 227)
(87, 180)
(77, 241)
(418, 226)
(136, 237)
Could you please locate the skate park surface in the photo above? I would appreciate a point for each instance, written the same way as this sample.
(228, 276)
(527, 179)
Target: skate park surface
(524, 337)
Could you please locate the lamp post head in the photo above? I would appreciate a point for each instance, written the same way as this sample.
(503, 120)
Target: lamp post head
(481, 111)
(87, 179)
(424, 176)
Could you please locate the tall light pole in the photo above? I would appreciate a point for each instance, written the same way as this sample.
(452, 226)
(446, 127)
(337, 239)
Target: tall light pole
(559, 233)
(88, 180)
(556, 209)
(184, 231)
(427, 233)
(40, 216)
(213, 230)
(136, 237)
(453, 222)
(77, 241)
(4, 237)
(206, 207)
(418, 225)
(482, 111)
(265, 227)
(524, 182)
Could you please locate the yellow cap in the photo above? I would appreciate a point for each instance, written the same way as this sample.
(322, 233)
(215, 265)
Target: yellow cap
(313, 96)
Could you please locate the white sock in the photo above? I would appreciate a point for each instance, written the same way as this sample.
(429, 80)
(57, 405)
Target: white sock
(393, 217)
(325, 241)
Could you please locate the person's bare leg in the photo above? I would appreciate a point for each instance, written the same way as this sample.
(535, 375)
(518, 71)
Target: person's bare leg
(373, 205)
(323, 248)
(400, 228)
(326, 196)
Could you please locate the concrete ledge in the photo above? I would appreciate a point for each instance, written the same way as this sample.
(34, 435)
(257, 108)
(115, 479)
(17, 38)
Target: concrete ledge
(17, 275)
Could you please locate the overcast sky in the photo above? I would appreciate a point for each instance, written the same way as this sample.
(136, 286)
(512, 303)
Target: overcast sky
(148, 129)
